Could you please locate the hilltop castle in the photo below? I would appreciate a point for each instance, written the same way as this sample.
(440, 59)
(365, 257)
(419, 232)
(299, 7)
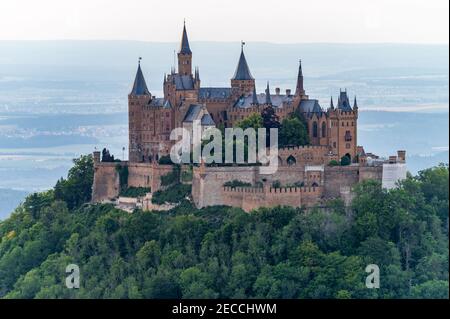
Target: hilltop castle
(304, 176)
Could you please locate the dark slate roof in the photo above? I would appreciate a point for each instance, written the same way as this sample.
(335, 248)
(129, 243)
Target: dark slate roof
(242, 71)
(207, 120)
(183, 82)
(277, 100)
(184, 48)
(160, 102)
(344, 102)
(192, 112)
(214, 93)
(139, 86)
(310, 106)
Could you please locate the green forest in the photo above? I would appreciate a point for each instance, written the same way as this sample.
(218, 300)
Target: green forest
(223, 252)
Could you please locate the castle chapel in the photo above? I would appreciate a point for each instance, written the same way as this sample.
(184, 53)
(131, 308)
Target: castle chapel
(151, 119)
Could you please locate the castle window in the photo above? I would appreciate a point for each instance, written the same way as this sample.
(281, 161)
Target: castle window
(342, 123)
(347, 145)
(334, 144)
(324, 129)
(348, 136)
(315, 129)
(291, 160)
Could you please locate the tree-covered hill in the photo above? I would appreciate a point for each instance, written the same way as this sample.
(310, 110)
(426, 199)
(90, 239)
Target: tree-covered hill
(222, 252)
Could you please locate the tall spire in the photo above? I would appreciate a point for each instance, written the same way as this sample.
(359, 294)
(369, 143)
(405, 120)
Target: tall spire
(242, 71)
(331, 103)
(184, 48)
(139, 86)
(355, 104)
(268, 98)
(254, 97)
(299, 90)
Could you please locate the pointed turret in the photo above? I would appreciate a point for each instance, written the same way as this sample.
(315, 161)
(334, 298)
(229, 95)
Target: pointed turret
(197, 73)
(242, 82)
(139, 86)
(242, 71)
(331, 103)
(343, 101)
(185, 48)
(268, 98)
(254, 97)
(355, 104)
(299, 90)
(185, 55)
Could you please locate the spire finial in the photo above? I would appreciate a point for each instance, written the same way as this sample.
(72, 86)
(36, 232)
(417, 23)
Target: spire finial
(139, 60)
(242, 45)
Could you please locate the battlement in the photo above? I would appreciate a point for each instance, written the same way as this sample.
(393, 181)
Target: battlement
(249, 198)
(273, 190)
(303, 147)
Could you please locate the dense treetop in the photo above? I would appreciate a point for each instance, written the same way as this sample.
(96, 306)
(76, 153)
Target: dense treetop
(224, 252)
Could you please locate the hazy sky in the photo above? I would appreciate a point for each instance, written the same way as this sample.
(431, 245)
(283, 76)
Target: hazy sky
(288, 21)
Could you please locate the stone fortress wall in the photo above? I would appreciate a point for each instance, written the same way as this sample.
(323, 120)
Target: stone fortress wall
(304, 181)
(328, 182)
(106, 185)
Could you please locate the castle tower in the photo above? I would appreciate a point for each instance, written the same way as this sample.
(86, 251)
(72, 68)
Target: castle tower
(184, 55)
(242, 82)
(138, 98)
(299, 90)
(343, 126)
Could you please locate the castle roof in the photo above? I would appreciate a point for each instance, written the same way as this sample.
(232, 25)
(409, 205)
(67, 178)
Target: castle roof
(207, 120)
(184, 48)
(310, 106)
(277, 100)
(139, 86)
(242, 71)
(160, 102)
(214, 93)
(194, 113)
(344, 102)
(183, 82)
